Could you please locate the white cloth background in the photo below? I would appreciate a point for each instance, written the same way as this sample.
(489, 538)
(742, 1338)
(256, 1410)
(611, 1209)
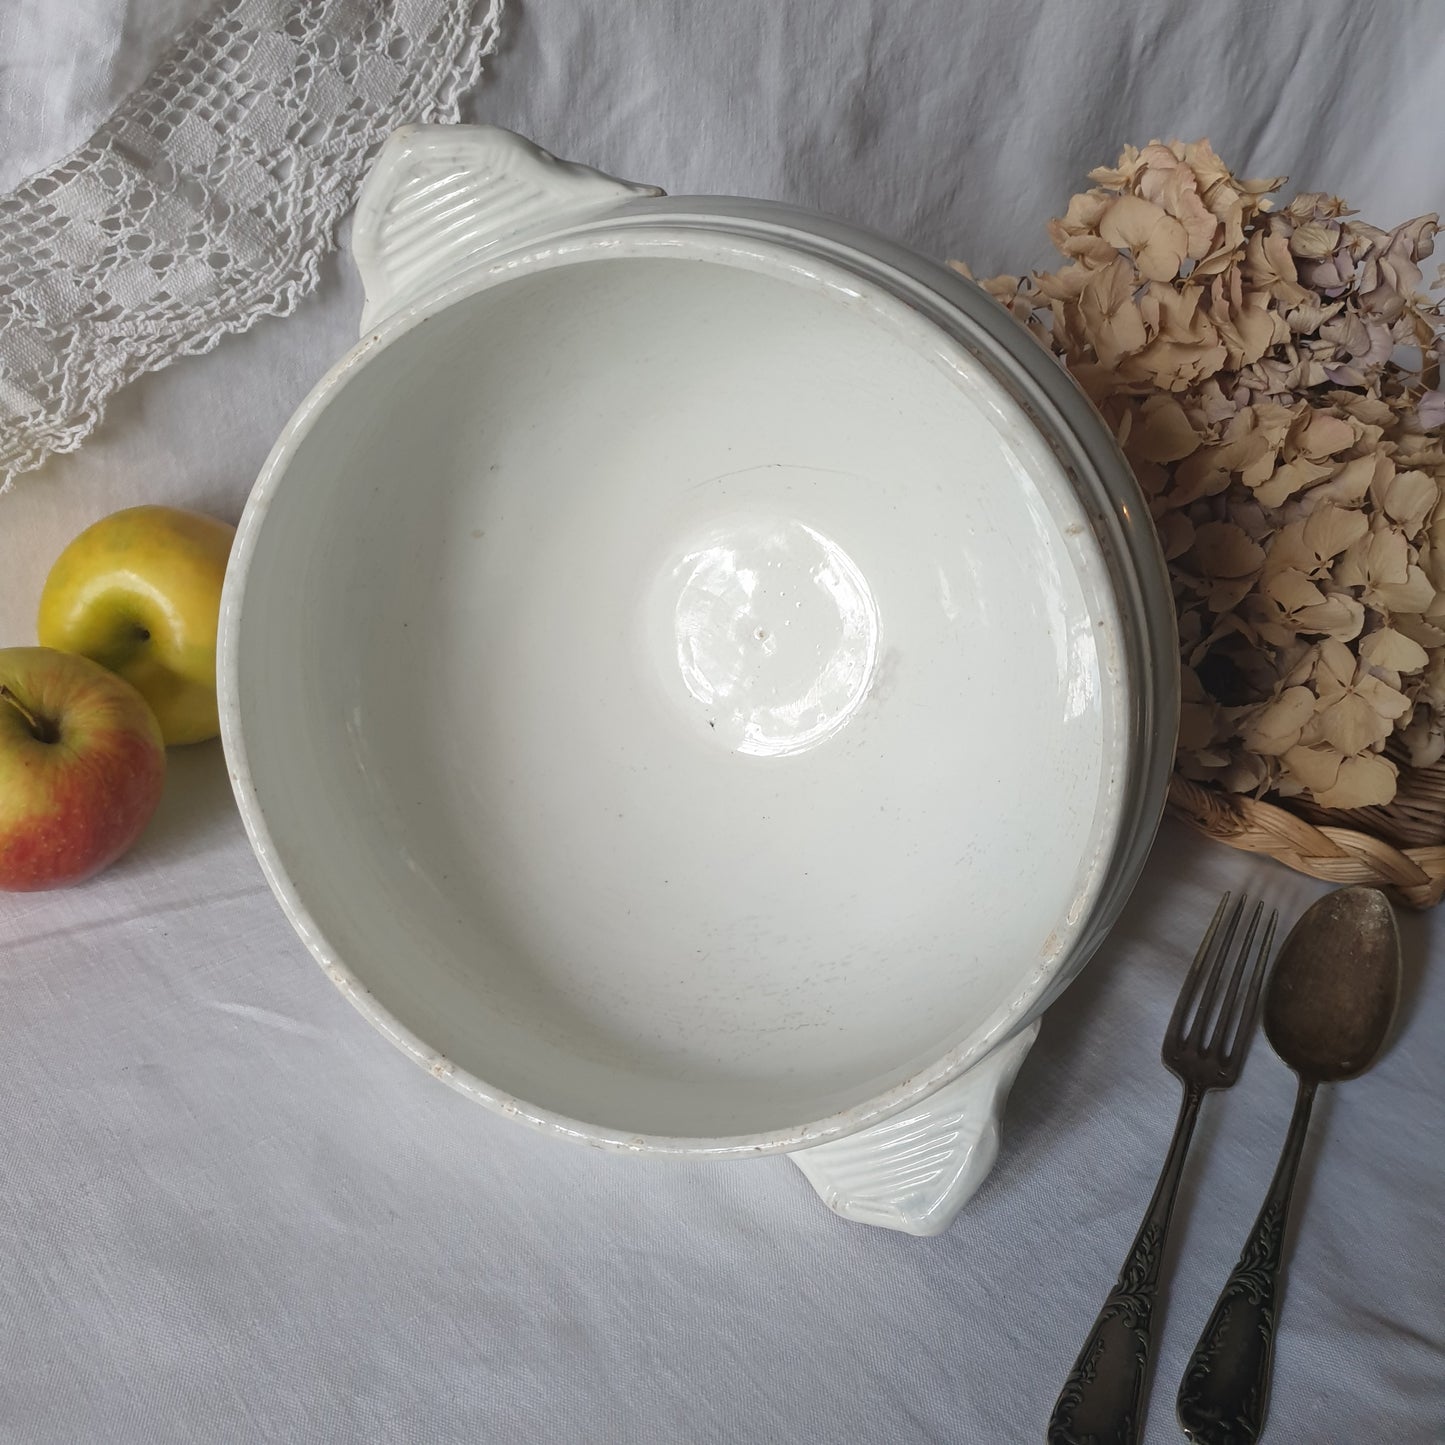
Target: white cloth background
(230, 1212)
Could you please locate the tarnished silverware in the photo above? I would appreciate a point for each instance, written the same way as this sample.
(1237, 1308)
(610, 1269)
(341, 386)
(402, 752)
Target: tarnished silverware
(1327, 1013)
(1104, 1398)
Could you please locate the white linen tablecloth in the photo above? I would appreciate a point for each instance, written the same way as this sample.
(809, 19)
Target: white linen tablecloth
(230, 1212)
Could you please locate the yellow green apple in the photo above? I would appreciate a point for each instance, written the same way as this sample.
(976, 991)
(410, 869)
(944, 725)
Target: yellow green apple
(140, 593)
(81, 767)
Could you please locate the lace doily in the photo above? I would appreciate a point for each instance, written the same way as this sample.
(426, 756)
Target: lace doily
(210, 196)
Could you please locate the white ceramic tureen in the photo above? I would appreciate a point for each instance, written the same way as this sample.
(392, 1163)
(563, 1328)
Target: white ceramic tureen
(699, 677)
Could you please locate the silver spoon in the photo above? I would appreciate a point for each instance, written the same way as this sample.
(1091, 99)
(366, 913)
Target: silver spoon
(1327, 1012)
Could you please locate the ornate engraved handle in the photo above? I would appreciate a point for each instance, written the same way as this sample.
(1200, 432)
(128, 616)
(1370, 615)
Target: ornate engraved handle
(1225, 1393)
(1103, 1400)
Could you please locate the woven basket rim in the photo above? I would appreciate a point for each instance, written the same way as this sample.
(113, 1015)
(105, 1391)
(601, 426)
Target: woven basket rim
(1335, 852)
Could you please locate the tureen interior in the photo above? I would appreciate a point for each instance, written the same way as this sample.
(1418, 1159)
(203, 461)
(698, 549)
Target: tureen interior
(678, 687)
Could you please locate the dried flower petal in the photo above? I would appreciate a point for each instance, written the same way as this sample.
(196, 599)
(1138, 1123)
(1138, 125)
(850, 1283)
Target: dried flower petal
(1363, 782)
(1424, 740)
(1325, 435)
(1173, 365)
(1269, 266)
(1157, 240)
(1164, 433)
(1351, 725)
(1166, 178)
(1316, 768)
(1275, 728)
(1245, 773)
(1335, 670)
(1222, 549)
(1409, 498)
(1339, 616)
(1390, 274)
(1121, 174)
(1288, 480)
(1106, 305)
(1418, 630)
(1327, 531)
(1414, 594)
(1368, 409)
(1387, 648)
(1389, 702)
(1430, 411)
(1314, 240)
(1346, 488)
(1376, 559)
(1292, 589)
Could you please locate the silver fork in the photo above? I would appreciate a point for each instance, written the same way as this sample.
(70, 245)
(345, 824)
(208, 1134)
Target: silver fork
(1103, 1401)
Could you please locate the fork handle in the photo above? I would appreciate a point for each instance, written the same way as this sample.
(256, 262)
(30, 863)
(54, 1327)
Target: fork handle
(1102, 1402)
(1225, 1393)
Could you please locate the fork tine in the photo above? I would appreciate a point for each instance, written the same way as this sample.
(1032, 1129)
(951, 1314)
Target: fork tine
(1196, 970)
(1236, 979)
(1244, 1031)
(1211, 984)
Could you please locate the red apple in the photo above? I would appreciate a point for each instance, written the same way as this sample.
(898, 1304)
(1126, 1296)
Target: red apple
(81, 767)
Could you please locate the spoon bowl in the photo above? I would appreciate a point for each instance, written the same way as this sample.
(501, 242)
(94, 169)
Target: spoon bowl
(1335, 988)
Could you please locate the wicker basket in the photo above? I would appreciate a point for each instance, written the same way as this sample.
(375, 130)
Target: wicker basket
(1400, 847)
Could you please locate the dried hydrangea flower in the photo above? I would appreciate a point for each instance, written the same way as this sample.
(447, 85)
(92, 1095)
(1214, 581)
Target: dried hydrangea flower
(1273, 376)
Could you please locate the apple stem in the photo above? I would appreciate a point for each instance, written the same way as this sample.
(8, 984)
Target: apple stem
(42, 729)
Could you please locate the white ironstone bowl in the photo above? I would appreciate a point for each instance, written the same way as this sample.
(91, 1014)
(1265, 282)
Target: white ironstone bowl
(698, 677)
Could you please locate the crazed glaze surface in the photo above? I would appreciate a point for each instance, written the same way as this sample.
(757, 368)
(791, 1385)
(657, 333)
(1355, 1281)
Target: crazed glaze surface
(676, 684)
